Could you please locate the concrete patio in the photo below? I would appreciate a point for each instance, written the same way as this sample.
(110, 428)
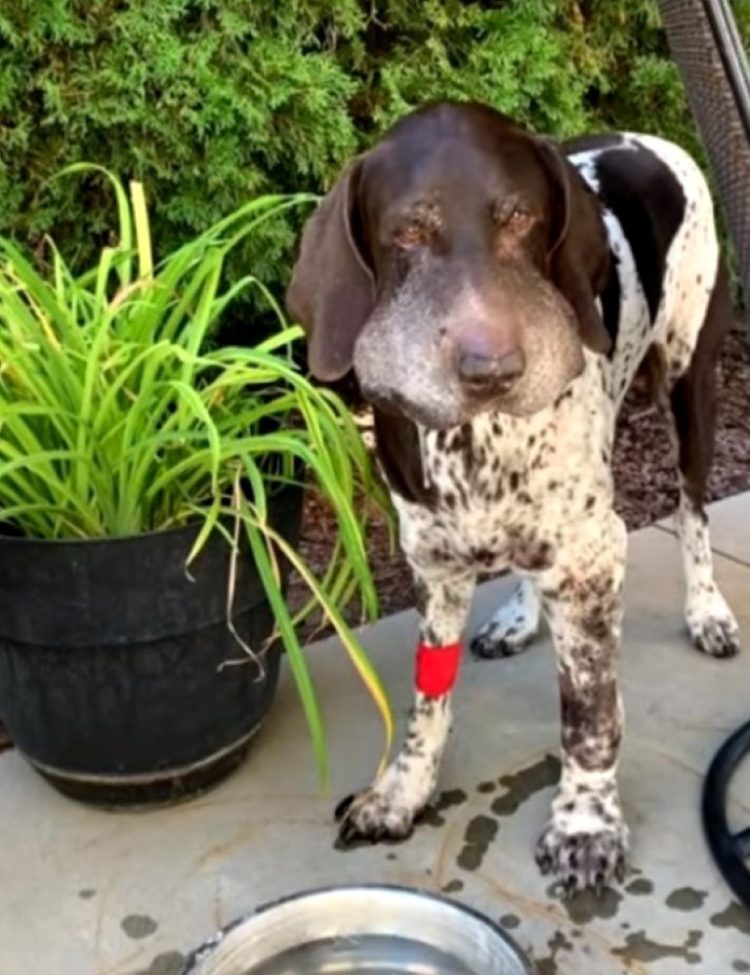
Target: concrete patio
(84, 892)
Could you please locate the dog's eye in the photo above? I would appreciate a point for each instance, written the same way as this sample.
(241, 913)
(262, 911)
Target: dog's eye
(412, 236)
(514, 218)
(519, 220)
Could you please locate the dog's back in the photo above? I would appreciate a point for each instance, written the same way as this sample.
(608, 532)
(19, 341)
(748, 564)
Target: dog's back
(660, 222)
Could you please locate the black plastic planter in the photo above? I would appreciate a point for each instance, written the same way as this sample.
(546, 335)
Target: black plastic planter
(111, 682)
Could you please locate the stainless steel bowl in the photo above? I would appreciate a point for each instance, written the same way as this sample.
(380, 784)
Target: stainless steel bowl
(378, 930)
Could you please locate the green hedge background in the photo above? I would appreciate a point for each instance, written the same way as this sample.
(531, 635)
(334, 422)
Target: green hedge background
(210, 102)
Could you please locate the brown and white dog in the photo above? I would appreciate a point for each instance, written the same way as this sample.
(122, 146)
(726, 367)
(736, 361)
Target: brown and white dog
(495, 294)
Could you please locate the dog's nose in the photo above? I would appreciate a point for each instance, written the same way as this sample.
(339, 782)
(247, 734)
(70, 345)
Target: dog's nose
(477, 369)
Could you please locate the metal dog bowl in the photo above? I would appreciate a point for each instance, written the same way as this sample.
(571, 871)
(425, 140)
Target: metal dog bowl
(363, 930)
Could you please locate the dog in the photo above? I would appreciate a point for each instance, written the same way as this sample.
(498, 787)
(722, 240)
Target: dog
(496, 293)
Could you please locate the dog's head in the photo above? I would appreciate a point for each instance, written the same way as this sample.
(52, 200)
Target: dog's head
(455, 266)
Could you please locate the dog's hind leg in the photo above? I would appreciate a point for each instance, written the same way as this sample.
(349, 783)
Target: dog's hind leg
(712, 625)
(512, 626)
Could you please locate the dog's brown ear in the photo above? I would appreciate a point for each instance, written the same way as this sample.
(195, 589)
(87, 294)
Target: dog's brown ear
(579, 258)
(332, 290)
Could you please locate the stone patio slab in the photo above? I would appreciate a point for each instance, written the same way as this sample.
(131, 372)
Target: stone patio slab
(730, 527)
(84, 892)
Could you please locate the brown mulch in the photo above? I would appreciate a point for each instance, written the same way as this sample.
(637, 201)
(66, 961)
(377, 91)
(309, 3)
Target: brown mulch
(646, 489)
(644, 473)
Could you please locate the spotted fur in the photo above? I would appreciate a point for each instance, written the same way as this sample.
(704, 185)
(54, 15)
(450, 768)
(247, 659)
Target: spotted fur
(533, 493)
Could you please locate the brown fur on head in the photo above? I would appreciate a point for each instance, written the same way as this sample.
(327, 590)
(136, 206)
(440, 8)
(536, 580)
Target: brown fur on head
(455, 267)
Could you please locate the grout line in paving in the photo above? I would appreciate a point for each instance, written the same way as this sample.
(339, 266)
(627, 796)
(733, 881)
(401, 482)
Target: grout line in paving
(745, 563)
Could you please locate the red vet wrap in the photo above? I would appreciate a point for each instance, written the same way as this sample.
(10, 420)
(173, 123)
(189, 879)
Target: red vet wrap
(437, 668)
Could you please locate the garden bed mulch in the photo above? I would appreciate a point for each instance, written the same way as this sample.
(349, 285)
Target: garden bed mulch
(644, 473)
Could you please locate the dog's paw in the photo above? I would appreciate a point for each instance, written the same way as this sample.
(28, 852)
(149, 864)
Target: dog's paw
(713, 628)
(510, 629)
(374, 816)
(584, 860)
(492, 641)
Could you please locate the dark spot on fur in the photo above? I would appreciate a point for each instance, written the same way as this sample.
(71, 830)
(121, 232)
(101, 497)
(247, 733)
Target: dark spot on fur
(439, 555)
(533, 557)
(597, 623)
(591, 727)
(421, 595)
(483, 556)
(563, 588)
(513, 481)
(462, 444)
(428, 705)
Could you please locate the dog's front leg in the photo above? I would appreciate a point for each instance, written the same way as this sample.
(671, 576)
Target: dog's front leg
(387, 809)
(585, 843)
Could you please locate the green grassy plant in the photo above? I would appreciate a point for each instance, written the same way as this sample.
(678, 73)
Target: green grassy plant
(119, 415)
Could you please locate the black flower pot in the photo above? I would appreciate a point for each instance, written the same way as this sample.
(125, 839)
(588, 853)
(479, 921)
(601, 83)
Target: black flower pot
(111, 676)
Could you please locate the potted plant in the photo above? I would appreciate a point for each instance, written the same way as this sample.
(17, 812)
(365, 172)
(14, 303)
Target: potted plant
(150, 490)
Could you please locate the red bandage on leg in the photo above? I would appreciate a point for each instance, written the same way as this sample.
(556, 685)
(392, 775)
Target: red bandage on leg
(437, 668)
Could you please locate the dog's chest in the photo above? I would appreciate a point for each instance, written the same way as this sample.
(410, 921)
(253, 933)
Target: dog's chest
(505, 489)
